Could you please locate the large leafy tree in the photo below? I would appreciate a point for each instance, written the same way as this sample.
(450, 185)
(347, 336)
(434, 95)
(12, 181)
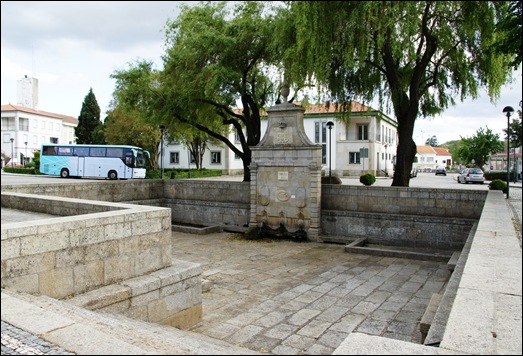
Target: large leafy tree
(433, 141)
(128, 128)
(475, 150)
(414, 56)
(510, 33)
(215, 59)
(89, 120)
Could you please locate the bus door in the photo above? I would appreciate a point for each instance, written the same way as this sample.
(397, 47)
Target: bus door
(81, 166)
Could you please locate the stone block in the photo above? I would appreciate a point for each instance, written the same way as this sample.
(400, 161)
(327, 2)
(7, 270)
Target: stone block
(56, 283)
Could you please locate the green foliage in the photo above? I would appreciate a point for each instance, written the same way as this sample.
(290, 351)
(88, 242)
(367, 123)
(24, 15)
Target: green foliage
(20, 170)
(510, 33)
(368, 179)
(498, 184)
(36, 160)
(88, 120)
(433, 141)
(218, 54)
(499, 175)
(31, 164)
(477, 148)
(124, 126)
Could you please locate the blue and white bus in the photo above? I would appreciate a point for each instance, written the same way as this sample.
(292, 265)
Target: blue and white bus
(93, 161)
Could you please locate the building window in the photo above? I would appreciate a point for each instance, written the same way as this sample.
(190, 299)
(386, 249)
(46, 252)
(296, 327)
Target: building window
(237, 156)
(236, 137)
(320, 136)
(174, 157)
(363, 132)
(8, 123)
(354, 158)
(53, 139)
(23, 124)
(216, 157)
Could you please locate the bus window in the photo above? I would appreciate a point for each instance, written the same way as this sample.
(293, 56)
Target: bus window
(81, 151)
(97, 152)
(114, 152)
(49, 151)
(65, 151)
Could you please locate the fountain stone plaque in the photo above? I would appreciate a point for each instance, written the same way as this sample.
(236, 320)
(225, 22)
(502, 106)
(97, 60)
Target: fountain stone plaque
(285, 178)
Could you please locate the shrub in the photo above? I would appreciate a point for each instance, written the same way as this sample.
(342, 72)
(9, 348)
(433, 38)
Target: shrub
(498, 184)
(368, 179)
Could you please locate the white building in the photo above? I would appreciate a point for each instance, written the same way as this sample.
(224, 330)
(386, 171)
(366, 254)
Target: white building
(24, 131)
(25, 128)
(364, 142)
(429, 158)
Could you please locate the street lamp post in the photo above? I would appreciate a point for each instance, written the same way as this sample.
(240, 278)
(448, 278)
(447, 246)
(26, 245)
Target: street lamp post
(25, 143)
(330, 124)
(12, 154)
(162, 130)
(515, 165)
(508, 110)
(386, 160)
(473, 151)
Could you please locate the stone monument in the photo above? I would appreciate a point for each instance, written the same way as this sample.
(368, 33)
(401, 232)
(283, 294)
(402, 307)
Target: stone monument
(285, 177)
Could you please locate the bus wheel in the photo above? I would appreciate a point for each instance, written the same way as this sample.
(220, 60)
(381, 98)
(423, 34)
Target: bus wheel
(112, 175)
(64, 173)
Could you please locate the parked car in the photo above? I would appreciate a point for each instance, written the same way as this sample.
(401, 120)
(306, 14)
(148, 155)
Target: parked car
(471, 175)
(441, 170)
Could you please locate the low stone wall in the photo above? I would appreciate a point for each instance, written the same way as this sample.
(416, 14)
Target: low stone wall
(443, 203)
(443, 233)
(102, 190)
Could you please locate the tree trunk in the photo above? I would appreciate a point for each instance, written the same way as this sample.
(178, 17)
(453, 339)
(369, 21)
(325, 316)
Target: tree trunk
(406, 152)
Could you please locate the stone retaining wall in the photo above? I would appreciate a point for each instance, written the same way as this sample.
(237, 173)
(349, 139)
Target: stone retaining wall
(389, 215)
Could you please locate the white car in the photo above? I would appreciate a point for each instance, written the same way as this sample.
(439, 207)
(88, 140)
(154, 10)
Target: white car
(471, 175)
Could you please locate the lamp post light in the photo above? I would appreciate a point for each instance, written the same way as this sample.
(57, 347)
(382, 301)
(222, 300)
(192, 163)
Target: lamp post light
(162, 130)
(508, 110)
(12, 154)
(330, 124)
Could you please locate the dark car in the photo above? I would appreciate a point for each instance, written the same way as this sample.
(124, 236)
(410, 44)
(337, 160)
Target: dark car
(441, 170)
(471, 175)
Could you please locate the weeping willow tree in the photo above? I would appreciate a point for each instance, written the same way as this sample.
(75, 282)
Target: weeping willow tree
(217, 55)
(416, 57)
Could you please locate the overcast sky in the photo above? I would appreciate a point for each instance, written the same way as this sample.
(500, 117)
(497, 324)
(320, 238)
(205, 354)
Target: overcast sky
(73, 46)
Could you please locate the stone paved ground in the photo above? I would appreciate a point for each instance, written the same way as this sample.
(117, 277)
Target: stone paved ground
(19, 342)
(286, 297)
